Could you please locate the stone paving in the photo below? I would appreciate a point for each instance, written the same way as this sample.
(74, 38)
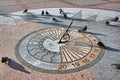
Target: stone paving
(13, 29)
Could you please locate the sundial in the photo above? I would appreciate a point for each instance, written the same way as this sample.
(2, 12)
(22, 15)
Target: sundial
(58, 50)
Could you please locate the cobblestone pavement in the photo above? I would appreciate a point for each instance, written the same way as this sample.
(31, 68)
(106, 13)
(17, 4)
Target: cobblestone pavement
(13, 30)
(7, 6)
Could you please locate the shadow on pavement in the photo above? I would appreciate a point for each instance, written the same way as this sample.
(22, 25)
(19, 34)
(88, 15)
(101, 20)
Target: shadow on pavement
(14, 65)
(115, 25)
(112, 49)
(93, 33)
(53, 24)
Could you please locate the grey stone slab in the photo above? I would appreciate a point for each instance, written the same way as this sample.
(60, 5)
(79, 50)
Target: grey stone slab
(32, 47)
(40, 55)
(56, 58)
(48, 57)
(34, 51)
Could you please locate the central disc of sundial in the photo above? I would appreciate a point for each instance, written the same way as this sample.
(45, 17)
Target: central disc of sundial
(42, 51)
(51, 45)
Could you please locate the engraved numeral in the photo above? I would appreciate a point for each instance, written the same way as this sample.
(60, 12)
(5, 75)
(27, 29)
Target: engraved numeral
(62, 66)
(96, 50)
(76, 64)
(92, 55)
(85, 60)
(94, 40)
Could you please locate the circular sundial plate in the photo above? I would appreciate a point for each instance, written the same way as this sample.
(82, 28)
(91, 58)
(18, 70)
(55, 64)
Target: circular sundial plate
(40, 51)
